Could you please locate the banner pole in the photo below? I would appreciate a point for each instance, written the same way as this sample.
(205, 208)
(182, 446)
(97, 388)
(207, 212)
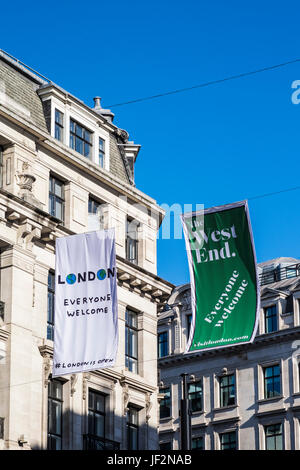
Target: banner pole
(185, 419)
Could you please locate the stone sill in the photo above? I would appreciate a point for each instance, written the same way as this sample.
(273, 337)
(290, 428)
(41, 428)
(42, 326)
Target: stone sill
(270, 400)
(225, 408)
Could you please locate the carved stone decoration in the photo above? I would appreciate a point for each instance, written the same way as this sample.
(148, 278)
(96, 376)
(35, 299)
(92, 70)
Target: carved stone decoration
(86, 378)
(46, 353)
(25, 180)
(74, 378)
(122, 134)
(148, 406)
(125, 396)
(47, 369)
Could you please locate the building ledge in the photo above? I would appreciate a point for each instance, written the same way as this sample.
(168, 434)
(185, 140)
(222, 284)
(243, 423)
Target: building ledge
(260, 341)
(270, 400)
(275, 411)
(224, 408)
(232, 420)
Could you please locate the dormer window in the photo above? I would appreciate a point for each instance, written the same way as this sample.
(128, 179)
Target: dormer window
(80, 139)
(59, 125)
(101, 152)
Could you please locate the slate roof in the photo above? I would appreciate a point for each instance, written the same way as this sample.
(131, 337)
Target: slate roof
(18, 91)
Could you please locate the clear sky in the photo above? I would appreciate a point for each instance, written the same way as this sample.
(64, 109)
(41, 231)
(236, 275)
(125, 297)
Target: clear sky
(209, 146)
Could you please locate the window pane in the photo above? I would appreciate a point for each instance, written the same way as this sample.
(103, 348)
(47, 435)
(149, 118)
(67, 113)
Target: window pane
(99, 403)
(58, 210)
(101, 144)
(87, 149)
(99, 425)
(79, 131)
(197, 443)
(87, 136)
(78, 145)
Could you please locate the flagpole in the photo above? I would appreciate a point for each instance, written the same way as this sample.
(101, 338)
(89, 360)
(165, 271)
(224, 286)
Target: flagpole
(185, 419)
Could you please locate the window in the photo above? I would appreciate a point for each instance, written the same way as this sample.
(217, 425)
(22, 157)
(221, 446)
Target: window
(132, 428)
(1, 428)
(228, 440)
(96, 414)
(131, 341)
(165, 403)
(95, 215)
(94, 206)
(165, 446)
(59, 125)
(101, 152)
(274, 437)
(1, 166)
(197, 443)
(132, 241)
(271, 381)
(163, 344)
(227, 390)
(195, 396)
(271, 323)
(56, 198)
(55, 406)
(50, 314)
(80, 139)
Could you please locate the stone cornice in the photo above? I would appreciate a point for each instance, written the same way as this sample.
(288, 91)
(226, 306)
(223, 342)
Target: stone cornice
(62, 151)
(143, 282)
(136, 383)
(260, 340)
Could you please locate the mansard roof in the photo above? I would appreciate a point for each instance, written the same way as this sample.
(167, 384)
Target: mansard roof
(19, 88)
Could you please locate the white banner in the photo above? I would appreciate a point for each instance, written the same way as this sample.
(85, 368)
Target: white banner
(86, 311)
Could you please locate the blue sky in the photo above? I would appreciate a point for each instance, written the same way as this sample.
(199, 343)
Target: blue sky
(212, 146)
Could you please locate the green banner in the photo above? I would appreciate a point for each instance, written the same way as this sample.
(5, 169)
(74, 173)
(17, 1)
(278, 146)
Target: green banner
(224, 285)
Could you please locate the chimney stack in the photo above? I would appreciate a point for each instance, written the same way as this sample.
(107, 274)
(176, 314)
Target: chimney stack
(106, 113)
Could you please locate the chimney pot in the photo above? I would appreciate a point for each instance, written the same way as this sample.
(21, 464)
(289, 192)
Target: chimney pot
(97, 102)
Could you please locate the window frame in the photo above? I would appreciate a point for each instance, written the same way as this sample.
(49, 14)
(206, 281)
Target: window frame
(132, 427)
(162, 390)
(164, 343)
(50, 305)
(60, 401)
(101, 152)
(73, 136)
(96, 412)
(268, 317)
(59, 125)
(131, 331)
(195, 394)
(60, 199)
(274, 435)
(264, 368)
(227, 387)
(222, 434)
(131, 243)
(198, 438)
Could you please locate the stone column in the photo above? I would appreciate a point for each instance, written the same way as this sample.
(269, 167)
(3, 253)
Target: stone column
(17, 269)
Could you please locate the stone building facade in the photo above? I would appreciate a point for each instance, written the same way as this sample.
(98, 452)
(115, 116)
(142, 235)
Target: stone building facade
(67, 169)
(243, 397)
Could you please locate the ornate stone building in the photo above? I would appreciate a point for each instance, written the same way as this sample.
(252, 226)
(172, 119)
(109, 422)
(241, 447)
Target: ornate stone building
(243, 397)
(66, 169)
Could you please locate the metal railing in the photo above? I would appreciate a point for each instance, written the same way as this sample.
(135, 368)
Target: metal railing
(91, 442)
(275, 275)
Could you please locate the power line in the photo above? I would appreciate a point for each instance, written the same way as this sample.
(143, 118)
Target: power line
(206, 84)
(274, 193)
